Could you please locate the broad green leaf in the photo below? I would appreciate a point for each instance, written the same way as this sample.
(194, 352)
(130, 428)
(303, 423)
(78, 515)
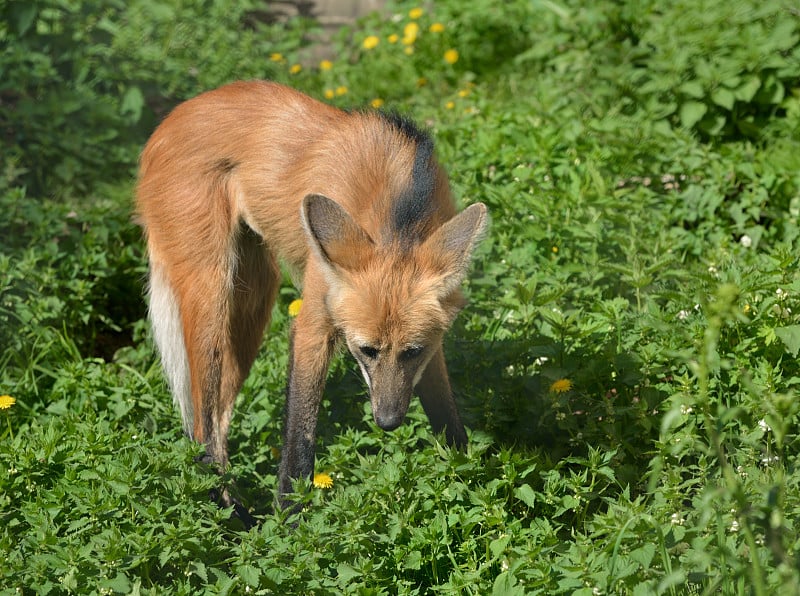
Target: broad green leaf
(199, 568)
(525, 494)
(691, 112)
(498, 545)
(748, 89)
(248, 573)
(790, 336)
(644, 554)
(723, 97)
(346, 572)
(413, 560)
(23, 15)
(693, 89)
(132, 103)
(506, 585)
(224, 583)
(784, 36)
(119, 584)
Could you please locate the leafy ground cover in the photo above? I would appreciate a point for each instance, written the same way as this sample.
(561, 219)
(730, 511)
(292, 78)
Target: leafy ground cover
(628, 363)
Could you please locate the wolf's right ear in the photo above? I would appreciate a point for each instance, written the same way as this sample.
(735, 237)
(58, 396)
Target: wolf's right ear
(334, 237)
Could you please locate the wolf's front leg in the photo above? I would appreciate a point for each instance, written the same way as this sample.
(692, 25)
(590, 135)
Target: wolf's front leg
(311, 346)
(437, 401)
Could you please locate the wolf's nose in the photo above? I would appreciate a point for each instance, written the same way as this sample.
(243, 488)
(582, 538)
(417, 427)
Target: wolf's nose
(388, 421)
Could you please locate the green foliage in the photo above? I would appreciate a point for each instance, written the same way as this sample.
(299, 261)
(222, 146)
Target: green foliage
(83, 81)
(732, 67)
(628, 362)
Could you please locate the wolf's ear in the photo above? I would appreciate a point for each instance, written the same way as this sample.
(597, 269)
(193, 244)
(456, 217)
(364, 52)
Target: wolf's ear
(333, 235)
(452, 244)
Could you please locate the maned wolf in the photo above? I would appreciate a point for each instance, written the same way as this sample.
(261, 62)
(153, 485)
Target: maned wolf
(239, 179)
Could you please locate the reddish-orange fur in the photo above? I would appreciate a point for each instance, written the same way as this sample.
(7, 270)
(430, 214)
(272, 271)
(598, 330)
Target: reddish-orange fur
(221, 198)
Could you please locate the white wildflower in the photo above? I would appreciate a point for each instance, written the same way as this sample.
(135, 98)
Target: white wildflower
(769, 460)
(746, 241)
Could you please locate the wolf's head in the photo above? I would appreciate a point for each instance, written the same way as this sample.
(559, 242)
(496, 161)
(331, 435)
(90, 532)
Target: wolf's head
(392, 301)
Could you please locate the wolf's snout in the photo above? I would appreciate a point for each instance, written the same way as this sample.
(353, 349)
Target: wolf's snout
(389, 420)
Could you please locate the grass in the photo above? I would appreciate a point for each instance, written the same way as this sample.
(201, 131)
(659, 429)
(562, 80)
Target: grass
(627, 365)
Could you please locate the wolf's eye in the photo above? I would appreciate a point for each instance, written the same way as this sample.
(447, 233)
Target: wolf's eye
(411, 353)
(369, 352)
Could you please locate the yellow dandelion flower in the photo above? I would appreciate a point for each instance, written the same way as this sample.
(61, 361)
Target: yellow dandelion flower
(561, 386)
(463, 92)
(276, 57)
(451, 56)
(371, 42)
(555, 250)
(341, 90)
(410, 32)
(436, 28)
(6, 401)
(408, 50)
(295, 68)
(322, 480)
(325, 65)
(376, 103)
(450, 105)
(393, 38)
(329, 94)
(415, 13)
(294, 307)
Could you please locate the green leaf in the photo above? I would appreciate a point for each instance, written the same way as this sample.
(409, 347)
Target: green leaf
(132, 103)
(790, 336)
(346, 572)
(723, 97)
(164, 556)
(644, 555)
(23, 15)
(506, 585)
(525, 494)
(413, 560)
(248, 573)
(748, 89)
(118, 584)
(498, 545)
(224, 583)
(691, 113)
(693, 89)
(119, 487)
(783, 36)
(199, 568)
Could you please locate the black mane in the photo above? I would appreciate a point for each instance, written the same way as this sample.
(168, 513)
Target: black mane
(411, 209)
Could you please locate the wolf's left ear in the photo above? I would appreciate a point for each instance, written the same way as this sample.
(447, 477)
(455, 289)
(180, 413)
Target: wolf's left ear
(452, 245)
(333, 235)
